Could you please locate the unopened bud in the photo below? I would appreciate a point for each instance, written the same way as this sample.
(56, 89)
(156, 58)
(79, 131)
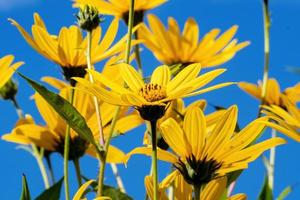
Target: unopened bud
(88, 18)
(9, 90)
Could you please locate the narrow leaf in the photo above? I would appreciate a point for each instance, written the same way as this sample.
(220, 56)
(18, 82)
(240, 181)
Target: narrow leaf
(285, 193)
(25, 190)
(52, 193)
(66, 111)
(266, 192)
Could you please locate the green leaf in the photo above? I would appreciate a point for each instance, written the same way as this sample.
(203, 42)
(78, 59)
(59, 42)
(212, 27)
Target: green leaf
(109, 191)
(25, 190)
(266, 192)
(52, 193)
(66, 111)
(285, 193)
(115, 193)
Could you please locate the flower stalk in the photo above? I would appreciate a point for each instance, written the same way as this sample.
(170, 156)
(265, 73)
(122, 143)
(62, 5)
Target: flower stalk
(66, 154)
(266, 53)
(154, 159)
(197, 191)
(90, 66)
(39, 158)
(78, 173)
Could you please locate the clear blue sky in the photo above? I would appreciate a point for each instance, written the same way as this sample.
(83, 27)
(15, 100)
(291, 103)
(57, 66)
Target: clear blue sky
(246, 66)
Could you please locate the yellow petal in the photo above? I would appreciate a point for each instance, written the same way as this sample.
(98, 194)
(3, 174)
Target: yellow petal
(175, 137)
(82, 189)
(194, 126)
(54, 82)
(214, 189)
(161, 154)
(238, 197)
(184, 76)
(161, 76)
(132, 78)
(222, 132)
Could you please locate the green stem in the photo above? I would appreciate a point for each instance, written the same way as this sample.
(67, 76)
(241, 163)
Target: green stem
(104, 153)
(91, 67)
(39, 158)
(49, 163)
(115, 171)
(78, 173)
(272, 163)
(18, 108)
(137, 55)
(66, 154)
(154, 159)
(129, 31)
(266, 53)
(197, 191)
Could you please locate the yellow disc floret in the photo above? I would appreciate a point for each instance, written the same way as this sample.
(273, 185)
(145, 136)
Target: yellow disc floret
(153, 92)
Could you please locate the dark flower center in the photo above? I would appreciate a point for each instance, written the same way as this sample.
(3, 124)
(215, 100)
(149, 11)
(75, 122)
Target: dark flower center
(138, 17)
(78, 146)
(198, 172)
(70, 72)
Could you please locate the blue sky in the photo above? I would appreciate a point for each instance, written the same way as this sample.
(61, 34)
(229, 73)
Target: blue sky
(246, 66)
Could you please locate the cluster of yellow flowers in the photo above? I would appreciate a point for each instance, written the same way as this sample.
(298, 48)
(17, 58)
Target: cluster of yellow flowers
(206, 151)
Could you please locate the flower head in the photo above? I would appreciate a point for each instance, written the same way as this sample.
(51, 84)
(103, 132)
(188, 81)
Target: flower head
(285, 120)
(274, 93)
(67, 49)
(171, 47)
(151, 99)
(202, 155)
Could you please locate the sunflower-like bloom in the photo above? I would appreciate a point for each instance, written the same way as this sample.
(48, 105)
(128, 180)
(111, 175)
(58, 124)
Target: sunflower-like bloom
(151, 99)
(7, 68)
(51, 136)
(202, 155)
(171, 47)
(285, 120)
(182, 190)
(120, 8)
(274, 94)
(67, 49)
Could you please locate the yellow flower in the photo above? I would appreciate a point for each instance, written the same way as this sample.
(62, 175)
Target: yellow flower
(274, 94)
(170, 46)
(151, 99)
(7, 68)
(182, 190)
(120, 8)
(67, 49)
(285, 120)
(51, 136)
(202, 156)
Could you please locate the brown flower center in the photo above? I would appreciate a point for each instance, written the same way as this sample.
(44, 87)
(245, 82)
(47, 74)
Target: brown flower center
(153, 92)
